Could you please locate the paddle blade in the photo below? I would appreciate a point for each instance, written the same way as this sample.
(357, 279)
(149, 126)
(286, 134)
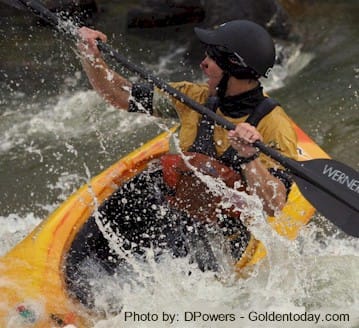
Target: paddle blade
(333, 189)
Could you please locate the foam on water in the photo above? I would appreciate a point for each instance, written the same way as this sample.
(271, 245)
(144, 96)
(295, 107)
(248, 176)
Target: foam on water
(312, 278)
(290, 280)
(293, 60)
(14, 228)
(71, 116)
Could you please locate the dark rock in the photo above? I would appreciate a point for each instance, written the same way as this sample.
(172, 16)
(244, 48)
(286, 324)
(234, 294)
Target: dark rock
(59, 5)
(157, 13)
(268, 13)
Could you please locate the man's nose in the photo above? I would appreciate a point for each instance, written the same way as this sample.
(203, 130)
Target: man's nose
(204, 63)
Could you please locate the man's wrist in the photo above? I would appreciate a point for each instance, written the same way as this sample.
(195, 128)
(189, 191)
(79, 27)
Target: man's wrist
(249, 159)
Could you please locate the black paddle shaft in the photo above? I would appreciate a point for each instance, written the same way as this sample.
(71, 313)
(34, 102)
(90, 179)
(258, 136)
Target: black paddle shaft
(15, 3)
(41, 11)
(330, 186)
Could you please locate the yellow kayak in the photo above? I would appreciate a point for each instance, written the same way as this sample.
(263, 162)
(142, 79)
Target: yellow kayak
(33, 284)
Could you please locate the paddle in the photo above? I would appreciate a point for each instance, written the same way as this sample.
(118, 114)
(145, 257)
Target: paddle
(14, 3)
(332, 187)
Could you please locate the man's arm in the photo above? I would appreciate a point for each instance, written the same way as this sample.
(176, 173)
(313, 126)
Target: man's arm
(268, 188)
(114, 88)
(259, 181)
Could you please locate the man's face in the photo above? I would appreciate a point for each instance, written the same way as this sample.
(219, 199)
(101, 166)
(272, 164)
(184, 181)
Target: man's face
(213, 72)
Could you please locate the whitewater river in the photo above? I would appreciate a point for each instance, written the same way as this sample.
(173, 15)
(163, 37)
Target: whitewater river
(56, 134)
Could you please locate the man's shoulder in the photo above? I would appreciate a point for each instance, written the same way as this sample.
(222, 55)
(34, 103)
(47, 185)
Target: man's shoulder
(277, 114)
(192, 89)
(277, 123)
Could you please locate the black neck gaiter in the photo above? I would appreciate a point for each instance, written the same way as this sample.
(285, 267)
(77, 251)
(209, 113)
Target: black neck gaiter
(243, 104)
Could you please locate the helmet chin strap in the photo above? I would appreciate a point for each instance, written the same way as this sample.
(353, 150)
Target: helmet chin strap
(222, 85)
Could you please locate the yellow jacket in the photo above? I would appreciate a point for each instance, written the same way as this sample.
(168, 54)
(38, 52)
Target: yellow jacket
(276, 127)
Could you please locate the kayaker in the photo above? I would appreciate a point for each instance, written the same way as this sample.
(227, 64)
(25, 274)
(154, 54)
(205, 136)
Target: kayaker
(237, 54)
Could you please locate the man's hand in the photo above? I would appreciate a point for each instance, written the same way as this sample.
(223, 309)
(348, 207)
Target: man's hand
(88, 41)
(243, 137)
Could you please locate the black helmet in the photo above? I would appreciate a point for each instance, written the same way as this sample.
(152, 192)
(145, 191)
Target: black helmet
(247, 46)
